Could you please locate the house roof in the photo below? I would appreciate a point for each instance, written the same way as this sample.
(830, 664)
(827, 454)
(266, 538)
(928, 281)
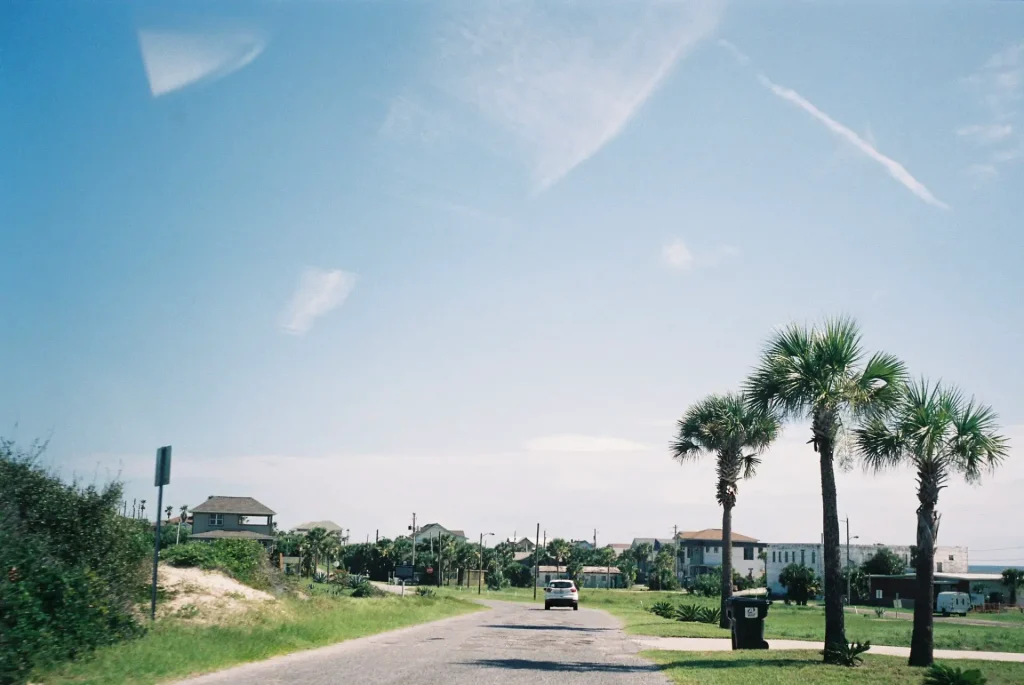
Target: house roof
(528, 541)
(712, 535)
(246, 506)
(652, 541)
(329, 526)
(231, 534)
(520, 556)
(620, 547)
(453, 532)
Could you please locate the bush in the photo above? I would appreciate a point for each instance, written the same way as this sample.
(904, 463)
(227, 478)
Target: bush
(70, 566)
(689, 613)
(710, 615)
(243, 560)
(663, 609)
(424, 591)
(939, 674)
(847, 654)
(520, 576)
(367, 589)
(708, 585)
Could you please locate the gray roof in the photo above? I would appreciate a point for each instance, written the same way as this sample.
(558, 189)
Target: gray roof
(231, 534)
(329, 526)
(246, 506)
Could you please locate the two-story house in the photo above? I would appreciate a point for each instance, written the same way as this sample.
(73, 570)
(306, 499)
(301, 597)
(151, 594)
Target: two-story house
(233, 517)
(700, 551)
(432, 530)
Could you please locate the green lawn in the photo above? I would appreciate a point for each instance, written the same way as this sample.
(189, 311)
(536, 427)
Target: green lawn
(791, 622)
(178, 648)
(785, 667)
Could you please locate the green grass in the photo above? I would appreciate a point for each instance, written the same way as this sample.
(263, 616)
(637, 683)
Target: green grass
(784, 621)
(771, 667)
(176, 648)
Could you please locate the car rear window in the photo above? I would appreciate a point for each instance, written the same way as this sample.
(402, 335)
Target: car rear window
(562, 583)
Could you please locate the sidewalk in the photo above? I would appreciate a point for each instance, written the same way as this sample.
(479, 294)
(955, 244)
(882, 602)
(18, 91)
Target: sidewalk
(704, 644)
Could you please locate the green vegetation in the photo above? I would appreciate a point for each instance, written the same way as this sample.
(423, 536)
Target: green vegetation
(941, 674)
(785, 667)
(939, 434)
(175, 648)
(819, 374)
(1013, 578)
(801, 583)
(70, 566)
(735, 433)
(243, 560)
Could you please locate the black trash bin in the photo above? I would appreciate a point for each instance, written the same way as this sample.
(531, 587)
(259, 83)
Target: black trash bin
(747, 615)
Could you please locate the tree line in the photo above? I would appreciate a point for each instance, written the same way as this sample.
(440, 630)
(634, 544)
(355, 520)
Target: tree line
(861, 405)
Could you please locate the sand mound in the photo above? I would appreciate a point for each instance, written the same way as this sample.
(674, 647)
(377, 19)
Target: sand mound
(194, 592)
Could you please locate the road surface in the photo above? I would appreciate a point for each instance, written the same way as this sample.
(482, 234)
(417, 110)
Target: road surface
(509, 643)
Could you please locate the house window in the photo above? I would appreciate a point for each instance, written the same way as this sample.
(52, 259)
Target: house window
(787, 557)
(773, 557)
(748, 553)
(216, 519)
(812, 558)
(939, 569)
(707, 550)
(951, 557)
(803, 557)
(716, 550)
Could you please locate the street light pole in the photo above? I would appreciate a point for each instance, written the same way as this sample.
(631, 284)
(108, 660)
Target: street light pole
(480, 568)
(849, 575)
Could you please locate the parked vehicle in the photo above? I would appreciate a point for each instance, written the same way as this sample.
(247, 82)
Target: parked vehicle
(953, 603)
(561, 593)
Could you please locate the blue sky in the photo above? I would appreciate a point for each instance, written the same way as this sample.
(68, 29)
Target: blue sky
(359, 259)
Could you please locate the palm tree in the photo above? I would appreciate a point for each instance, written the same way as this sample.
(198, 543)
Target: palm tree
(181, 519)
(314, 544)
(643, 553)
(606, 557)
(727, 427)
(168, 511)
(936, 432)
(1012, 579)
(559, 550)
(816, 373)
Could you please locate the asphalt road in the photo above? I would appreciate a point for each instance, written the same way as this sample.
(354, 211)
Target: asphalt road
(509, 643)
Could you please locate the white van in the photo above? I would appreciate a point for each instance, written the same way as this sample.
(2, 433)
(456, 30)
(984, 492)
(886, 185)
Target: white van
(953, 603)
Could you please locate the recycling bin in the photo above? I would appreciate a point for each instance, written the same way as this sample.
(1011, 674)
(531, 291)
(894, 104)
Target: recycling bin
(747, 615)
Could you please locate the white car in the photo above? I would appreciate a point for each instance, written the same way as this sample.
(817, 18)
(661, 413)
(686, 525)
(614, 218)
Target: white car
(561, 593)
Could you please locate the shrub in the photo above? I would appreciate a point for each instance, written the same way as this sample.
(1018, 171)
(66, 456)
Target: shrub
(940, 674)
(243, 560)
(847, 654)
(424, 591)
(367, 589)
(710, 615)
(688, 612)
(708, 585)
(663, 609)
(319, 577)
(70, 566)
(879, 612)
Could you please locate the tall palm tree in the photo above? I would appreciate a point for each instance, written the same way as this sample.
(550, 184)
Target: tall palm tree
(735, 433)
(315, 541)
(939, 434)
(817, 374)
(181, 519)
(559, 550)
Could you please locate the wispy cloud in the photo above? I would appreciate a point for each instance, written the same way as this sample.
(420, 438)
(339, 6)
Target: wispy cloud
(558, 83)
(174, 60)
(583, 443)
(895, 169)
(678, 255)
(865, 145)
(999, 84)
(318, 292)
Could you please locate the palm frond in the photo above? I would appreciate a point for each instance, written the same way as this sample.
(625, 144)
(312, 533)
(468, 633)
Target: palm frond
(975, 443)
(879, 445)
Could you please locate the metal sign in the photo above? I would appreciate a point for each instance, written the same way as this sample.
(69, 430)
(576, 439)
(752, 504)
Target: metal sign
(897, 604)
(750, 612)
(403, 571)
(163, 468)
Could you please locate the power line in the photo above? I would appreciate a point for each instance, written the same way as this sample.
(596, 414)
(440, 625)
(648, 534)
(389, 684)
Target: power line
(997, 549)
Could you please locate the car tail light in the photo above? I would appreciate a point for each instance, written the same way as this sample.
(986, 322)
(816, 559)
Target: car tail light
(572, 590)
(547, 589)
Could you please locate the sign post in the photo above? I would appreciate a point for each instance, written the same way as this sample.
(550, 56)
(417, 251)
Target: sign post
(163, 477)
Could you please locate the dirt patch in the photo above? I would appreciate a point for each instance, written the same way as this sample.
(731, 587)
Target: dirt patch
(198, 594)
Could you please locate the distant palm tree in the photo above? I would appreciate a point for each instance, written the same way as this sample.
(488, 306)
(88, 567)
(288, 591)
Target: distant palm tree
(606, 557)
(559, 550)
(315, 541)
(643, 553)
(1012, 579)
(142, 509)
(817, 374)
(939, 434)
(735, 433)
(169, 510)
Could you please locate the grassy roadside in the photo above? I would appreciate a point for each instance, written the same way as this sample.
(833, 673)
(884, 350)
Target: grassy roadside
(785, 667)
(789, 622)
(177, 648)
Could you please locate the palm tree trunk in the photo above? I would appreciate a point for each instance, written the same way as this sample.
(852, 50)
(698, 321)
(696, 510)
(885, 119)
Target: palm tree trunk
(726, 564)
(835, 621)
(922, 643)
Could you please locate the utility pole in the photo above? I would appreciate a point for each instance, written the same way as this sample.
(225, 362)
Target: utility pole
(480, 568)
(849, 596)
(536, 562)
(413, 545)
(595, 538)
(675, 537)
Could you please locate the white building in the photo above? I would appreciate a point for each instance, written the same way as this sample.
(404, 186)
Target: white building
(947, 559)
(702, 550)
(432, 530)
